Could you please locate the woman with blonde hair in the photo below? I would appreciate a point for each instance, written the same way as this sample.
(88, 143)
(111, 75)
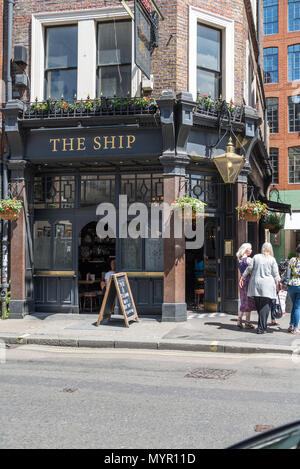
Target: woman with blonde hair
(247, 304)
(263, 284)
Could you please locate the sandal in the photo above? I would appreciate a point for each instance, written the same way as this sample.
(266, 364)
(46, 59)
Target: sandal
(249, 325)
(291, 329)
(240, 323)
(295, 332)
(274, 323)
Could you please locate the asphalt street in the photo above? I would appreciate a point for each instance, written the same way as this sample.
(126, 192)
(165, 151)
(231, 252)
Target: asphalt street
(83, 398)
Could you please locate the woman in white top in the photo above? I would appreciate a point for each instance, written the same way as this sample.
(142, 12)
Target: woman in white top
(264, 283)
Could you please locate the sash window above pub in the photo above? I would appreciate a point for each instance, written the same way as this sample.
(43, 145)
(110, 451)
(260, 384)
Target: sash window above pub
(114, 58)
(61, 62)
(209, 61)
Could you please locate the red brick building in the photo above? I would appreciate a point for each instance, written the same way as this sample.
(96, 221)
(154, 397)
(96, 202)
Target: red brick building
(85, 52)
(281, 42)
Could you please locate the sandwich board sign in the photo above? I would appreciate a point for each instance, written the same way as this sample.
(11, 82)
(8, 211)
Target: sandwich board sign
(118, 287)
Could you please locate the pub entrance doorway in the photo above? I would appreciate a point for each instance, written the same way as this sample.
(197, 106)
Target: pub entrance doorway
(95, 256)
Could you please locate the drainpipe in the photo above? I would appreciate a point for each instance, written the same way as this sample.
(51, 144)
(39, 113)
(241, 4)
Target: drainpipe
(5, 231)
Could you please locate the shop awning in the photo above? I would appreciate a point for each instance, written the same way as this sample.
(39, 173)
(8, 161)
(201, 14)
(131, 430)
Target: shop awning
(292, 222)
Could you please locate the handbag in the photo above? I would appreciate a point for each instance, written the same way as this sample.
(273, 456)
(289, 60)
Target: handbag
(277, 311)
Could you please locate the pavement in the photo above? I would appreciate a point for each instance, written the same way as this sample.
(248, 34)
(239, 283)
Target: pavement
(202, 332)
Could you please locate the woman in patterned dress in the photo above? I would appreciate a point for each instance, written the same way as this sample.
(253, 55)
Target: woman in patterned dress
(294, 292)
(247, 304)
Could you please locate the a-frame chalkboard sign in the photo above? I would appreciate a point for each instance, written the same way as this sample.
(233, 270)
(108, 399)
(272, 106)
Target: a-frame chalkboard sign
(118, 286)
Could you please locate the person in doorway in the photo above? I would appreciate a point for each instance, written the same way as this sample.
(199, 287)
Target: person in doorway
(294, 292)
(263, 285)
(247, 303)
(111, 272)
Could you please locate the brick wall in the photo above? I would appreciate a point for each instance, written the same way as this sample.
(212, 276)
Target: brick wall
(282, 90)
(170, 61)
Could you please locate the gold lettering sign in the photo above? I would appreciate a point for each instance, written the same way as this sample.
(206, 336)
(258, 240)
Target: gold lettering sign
(103, 143)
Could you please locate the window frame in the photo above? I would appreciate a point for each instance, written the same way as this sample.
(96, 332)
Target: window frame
(292, 3)
(265, 8)
(87, 34)
(294, 122)
(98, 67)
(298, 165)
(292, 72)
(47, 70)
(197, 15)
(218, 75)
(272, 114)
(276, 71)
(275, 167)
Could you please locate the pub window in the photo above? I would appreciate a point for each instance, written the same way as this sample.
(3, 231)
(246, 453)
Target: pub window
(274, 157)
(271, 65)
(294, 15)
(294, 113)
(294, 165)
(270, 17)
(114, 58)
(294, 62)
(272, 112)
(54, 192)
(96, 189)
(63, 253)
(42, 245)
(209, 61)
(154, 254)
(61, 62)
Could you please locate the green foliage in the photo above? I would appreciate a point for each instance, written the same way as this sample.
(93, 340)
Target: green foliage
(273, 219)
(291, 255)
(5, 314)
(182, 202)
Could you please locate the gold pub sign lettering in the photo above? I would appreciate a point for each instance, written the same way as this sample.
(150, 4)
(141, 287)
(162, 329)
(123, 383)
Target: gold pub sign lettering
(105, 142)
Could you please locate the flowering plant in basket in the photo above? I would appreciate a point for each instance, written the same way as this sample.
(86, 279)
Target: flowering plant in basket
(10, 208)
(252, 211)
(182, 203)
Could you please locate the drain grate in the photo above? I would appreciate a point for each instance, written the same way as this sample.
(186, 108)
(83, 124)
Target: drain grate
(210, 373)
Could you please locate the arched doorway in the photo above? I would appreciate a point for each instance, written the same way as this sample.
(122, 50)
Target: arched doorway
(94, 260)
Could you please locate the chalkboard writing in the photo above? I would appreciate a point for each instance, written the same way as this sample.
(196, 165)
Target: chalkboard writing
(118, 287)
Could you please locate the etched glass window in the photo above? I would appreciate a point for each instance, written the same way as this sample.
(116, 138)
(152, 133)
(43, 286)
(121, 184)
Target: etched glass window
(63, 252)
(42, 245)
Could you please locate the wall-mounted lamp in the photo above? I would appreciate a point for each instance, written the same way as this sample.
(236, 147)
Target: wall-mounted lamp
(229, 164)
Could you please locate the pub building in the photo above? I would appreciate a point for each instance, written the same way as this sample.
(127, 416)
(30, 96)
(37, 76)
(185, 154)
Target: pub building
(65, 159)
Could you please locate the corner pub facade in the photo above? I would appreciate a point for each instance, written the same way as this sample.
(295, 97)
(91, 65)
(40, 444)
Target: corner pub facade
(64, 160)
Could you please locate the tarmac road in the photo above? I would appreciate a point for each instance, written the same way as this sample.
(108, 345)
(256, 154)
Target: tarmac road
(53, 397)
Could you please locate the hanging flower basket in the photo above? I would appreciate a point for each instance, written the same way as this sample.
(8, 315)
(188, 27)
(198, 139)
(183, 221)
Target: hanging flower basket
(252, 211)
(272, 222)
(10, 209)
(188, 207)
